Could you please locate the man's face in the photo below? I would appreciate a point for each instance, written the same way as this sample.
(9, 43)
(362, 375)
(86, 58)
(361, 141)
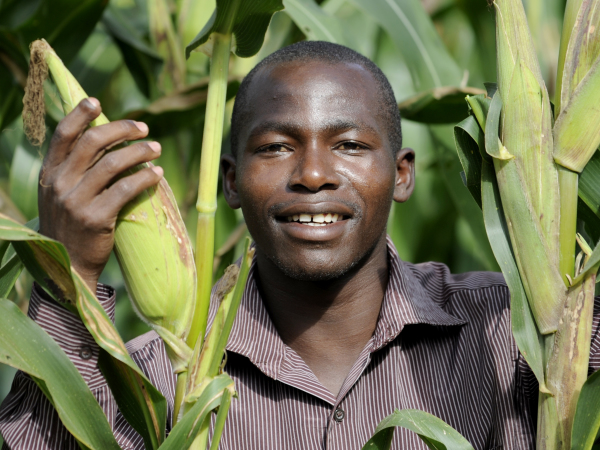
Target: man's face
(315, 174)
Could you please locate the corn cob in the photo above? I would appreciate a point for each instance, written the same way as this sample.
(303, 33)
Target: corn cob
(151, 242)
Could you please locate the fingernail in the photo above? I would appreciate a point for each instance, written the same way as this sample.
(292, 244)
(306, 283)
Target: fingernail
(142, 126)
(155, 146)
(94, 102)
(158, 170)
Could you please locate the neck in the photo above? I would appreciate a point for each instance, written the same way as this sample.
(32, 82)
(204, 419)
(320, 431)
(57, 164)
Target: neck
(328, 323)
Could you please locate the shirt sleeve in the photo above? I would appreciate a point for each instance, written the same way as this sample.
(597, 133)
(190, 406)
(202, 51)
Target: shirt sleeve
(28, 421)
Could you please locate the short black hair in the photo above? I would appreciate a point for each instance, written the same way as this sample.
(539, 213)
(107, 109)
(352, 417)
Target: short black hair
(332, 54)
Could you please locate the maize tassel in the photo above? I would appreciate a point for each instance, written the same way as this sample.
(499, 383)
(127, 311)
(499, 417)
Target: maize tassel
(151, 242)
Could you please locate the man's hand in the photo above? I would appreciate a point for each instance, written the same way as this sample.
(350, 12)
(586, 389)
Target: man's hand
(80, 193)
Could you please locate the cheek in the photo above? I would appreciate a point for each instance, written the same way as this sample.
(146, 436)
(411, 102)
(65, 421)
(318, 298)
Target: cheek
(374, 183)
(256, 184)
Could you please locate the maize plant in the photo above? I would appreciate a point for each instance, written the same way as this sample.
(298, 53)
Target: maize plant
(530, 157)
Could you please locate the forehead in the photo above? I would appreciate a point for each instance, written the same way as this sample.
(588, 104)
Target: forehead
(312, 92)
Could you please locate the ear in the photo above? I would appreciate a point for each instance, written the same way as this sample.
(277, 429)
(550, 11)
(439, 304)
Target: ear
(228, 165)
(405, 175)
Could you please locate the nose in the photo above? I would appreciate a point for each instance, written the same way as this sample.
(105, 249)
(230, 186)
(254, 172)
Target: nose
(315, 170)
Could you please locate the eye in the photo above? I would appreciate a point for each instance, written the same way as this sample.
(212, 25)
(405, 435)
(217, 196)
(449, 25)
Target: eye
(350, 146)
(274, 148)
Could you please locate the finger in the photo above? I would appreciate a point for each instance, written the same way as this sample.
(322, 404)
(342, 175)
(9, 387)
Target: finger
(97, 140)
(101, 175)
(70, 129)
(126, 189)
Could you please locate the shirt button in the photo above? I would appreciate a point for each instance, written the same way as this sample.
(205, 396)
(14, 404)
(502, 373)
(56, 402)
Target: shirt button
(85, 352)
(339, 415)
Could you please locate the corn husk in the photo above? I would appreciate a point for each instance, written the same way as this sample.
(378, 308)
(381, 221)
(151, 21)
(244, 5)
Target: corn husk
(151, 242)
(577, 129)
(528, 179)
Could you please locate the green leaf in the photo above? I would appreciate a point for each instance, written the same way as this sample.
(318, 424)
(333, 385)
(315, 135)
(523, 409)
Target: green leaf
(187, 428)
(220, 420)
(96, 62)
(315, 23)
(570, 17)
(127, 388)
(450, 166)
(14, 13)
(493, 146)
(586, 424)
(232, 308)
(49, 264)
(411, 29)
(525, 331)
(9, 272)
(589, 184)
(479, 105)
(467, 134)
(11, 74)
(192, 16)
(434, 432)
(25, 346)
(590, 266)
(23, 179)
(248, 21)
(63, 23)
(438, 105)
(491, 89)
(579, 51)
(142, 60)
(590, 220)
(577, 128)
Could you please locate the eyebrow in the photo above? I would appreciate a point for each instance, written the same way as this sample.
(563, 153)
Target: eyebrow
(294, 128)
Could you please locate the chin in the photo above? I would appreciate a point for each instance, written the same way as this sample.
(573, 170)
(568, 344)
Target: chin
(325, 271)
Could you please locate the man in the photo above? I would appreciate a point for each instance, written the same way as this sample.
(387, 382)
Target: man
(334, 331)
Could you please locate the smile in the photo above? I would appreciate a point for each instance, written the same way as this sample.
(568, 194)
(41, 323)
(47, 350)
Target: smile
(315, 220)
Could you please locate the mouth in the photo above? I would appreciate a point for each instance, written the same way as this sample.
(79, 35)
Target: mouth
(312, 223)
(314, 220)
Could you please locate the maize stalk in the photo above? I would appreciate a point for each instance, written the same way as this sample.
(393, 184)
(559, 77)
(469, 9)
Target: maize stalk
(206, 204)
(539, 192)
(151, 243)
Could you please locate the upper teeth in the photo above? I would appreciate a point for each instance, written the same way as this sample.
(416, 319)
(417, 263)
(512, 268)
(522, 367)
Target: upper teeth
(314, 219)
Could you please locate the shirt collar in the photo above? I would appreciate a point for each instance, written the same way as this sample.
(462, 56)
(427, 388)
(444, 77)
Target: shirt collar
(405, 302)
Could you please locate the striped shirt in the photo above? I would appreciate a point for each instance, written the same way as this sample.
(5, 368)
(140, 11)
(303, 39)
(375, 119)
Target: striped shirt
(442, 344)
